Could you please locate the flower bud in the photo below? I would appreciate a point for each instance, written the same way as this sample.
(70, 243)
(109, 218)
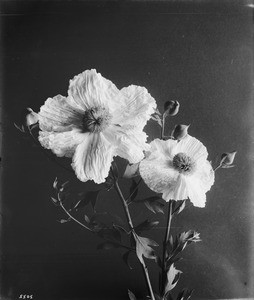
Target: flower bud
(227, 159)
(31, 117)
(171, 108)
(180, 131)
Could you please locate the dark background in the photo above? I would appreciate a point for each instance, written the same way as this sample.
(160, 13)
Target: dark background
(198, 52)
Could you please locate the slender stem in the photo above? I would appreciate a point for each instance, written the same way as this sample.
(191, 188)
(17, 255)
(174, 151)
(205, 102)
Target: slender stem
(81, 224)
(129, 197)
(217, 167)
(165, 243)
(77, 221)
(163, 126)
(128, 216)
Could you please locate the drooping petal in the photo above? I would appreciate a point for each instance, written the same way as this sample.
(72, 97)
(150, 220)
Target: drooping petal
(93, 157)
(196, 193)
(89, 89)
(159, 175)
(57, 115)
(193, 148)
(61, 143)
(135, 108)
(176, 191)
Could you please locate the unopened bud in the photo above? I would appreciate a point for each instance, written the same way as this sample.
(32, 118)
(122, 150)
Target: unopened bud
(180, 131)
(31, 117)
(171, 108)
(227, 159)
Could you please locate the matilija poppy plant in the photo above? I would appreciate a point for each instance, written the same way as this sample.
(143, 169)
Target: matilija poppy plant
(96, 122)
(178, 169)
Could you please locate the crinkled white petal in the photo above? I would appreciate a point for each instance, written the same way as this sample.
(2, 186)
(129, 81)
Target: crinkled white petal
(135, 107)
(92, 158)
(89, 89)
(176, 190)
(61, 143)
(163, 149)
(158, 174)
(57, 115)
(129, 144)
(193, 148)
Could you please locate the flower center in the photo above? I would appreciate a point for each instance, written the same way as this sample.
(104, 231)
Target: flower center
(96, 119)
(183, 163)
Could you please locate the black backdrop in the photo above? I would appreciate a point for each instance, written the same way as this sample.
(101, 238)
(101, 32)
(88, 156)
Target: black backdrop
(197, 52)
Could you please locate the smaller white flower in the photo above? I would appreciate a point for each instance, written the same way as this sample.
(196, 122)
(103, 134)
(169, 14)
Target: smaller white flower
(178, 170)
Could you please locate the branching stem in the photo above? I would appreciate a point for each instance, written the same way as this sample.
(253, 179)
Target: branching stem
(128, 216)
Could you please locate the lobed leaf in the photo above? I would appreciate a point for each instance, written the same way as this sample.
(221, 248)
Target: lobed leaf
(144, 248)
(173, 276)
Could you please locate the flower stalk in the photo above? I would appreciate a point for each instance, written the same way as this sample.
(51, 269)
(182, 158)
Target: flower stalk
(165, 243)
(128, 216)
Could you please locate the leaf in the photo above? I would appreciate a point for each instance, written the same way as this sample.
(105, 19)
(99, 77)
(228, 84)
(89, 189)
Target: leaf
(89, 197)
(131, 171)
(172, 278)
(62, 221)
(153, 204)
(125, 258)
(87, 219)
(55, 184)
(107, 246)
(143, 248)
(55, 201)
(20, 128)
(64, 186)
(157, 118)
(133, 189)
(178, 206)
(185, 294)
(188, 237)
(131, 295)
(146, 225)
(120, 229)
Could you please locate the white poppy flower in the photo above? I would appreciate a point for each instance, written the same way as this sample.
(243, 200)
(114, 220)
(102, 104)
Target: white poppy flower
(95, 123)
(178, 170)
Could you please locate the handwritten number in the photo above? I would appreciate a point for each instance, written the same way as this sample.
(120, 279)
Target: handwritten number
(21, 296)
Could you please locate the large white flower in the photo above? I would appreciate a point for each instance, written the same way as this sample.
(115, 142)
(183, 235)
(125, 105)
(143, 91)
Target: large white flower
(96, 122)
(178, 170)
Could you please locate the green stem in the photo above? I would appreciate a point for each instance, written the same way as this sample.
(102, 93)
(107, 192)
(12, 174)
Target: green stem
(165, 243)
(74, 219)
(163, 126)
(84, 226)
(128, 201)
(128, 216)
